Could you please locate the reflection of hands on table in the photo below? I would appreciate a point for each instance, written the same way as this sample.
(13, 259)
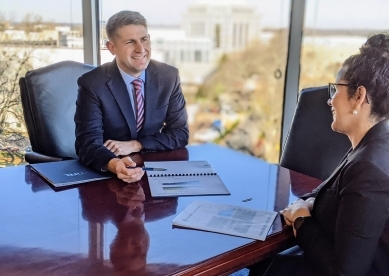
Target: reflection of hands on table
(128, 250)
(131, 195)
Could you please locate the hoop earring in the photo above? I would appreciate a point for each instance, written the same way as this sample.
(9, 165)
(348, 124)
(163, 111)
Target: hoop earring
(355, 112)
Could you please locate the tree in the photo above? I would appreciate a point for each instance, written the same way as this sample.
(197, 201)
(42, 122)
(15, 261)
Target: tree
(16, 58)
(248, 88)
(251, 83)
(30, 21)
(13, 65)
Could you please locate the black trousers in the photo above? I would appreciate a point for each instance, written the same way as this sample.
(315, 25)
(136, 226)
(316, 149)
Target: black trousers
(290, 262)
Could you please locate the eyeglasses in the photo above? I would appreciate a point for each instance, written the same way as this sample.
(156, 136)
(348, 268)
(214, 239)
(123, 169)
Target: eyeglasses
(332, 89)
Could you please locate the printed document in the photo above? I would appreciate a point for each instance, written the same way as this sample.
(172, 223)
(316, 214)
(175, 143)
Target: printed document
(226, 219)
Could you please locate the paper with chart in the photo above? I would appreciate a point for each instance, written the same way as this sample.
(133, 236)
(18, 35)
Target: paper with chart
(226, 219)
(184, 178)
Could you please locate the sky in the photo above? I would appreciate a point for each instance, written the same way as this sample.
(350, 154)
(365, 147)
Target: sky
(321, 14)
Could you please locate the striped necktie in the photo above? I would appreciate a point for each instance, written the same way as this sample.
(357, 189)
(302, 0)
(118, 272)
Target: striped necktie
(139, 104)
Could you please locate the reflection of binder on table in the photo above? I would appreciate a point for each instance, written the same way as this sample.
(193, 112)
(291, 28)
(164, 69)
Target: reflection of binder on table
(226, 219)
(184, 178)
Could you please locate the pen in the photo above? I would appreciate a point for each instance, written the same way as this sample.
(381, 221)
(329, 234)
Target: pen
(147, 168)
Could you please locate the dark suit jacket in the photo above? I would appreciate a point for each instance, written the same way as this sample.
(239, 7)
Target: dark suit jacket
(104, 112)
(349, 232)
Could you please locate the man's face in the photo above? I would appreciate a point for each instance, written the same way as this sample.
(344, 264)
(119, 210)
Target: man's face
(129, 248)
(131, 45)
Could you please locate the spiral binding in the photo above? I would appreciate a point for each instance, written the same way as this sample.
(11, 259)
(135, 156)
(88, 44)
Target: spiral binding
(180, 174)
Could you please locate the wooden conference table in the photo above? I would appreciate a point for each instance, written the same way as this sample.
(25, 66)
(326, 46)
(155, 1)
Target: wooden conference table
(92, 230)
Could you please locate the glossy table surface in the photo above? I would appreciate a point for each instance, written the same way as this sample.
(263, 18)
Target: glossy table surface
(100, 228)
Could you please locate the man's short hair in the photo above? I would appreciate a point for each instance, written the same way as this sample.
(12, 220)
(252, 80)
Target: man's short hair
(121, 19)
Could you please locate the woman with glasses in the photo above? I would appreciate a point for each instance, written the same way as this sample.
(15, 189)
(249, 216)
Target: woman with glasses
(342, 227)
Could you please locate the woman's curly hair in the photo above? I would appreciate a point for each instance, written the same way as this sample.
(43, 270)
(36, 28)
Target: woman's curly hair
(370, 68)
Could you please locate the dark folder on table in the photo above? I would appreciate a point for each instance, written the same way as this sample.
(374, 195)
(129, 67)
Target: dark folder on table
(66, 173)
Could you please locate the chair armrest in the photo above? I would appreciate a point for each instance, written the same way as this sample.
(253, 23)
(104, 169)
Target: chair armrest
(34, 157)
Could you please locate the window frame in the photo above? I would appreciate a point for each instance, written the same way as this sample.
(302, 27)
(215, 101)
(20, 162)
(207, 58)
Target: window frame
(91, 29)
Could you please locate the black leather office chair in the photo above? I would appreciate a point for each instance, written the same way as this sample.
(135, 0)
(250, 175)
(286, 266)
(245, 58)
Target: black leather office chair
(312, 147)
(49, 97)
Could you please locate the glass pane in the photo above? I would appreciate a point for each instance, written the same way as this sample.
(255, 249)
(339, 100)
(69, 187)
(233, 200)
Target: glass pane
(231, 56)
(33, 34)
(333, 31)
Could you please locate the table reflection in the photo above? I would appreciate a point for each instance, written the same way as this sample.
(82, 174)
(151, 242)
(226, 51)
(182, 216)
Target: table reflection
(128, 250)
(125, 206)
(128, 207)
(110, 227)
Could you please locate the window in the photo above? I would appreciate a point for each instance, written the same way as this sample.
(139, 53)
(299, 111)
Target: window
(197, 56)
(217, 36)
(329, 40)
(230, 59)
(33, 34)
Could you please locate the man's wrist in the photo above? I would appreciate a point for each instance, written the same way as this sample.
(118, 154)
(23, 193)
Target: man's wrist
(111, 166)
(136, 145)
(140, 145)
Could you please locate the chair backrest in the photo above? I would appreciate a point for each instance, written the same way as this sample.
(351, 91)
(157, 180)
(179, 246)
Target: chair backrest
(49, 97)
(312, 147)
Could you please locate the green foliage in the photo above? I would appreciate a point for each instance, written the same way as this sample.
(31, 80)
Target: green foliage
(248, 88)
(226, 132)
(249, 97)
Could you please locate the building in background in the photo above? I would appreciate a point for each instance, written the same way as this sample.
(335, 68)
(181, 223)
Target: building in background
(209, 30)
(230, 24)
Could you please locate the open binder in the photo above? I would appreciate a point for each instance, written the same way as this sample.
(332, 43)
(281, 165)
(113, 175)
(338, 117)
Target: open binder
(184, 178)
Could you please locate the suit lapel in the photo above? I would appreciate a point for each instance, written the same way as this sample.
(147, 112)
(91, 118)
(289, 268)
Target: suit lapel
(335, 173)
(119, 91)
(151, 94)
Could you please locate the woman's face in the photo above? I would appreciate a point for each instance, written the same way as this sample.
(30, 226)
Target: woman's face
(342, 107)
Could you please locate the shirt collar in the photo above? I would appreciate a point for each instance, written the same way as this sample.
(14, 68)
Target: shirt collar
(128, 78)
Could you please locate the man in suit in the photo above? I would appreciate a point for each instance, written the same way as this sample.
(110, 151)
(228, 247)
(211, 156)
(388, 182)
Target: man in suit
(129, 105)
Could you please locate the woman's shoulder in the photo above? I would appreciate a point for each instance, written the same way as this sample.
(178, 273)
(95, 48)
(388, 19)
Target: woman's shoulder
(370, 164)
(376, 152)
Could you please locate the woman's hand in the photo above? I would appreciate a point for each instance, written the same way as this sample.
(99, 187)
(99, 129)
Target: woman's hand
(311, 201)
(299, 208)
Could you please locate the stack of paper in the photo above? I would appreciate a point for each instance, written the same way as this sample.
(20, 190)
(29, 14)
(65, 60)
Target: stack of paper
(226, 219)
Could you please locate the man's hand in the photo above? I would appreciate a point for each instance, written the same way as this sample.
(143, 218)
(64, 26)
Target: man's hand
(123, 147)
(119, 167)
